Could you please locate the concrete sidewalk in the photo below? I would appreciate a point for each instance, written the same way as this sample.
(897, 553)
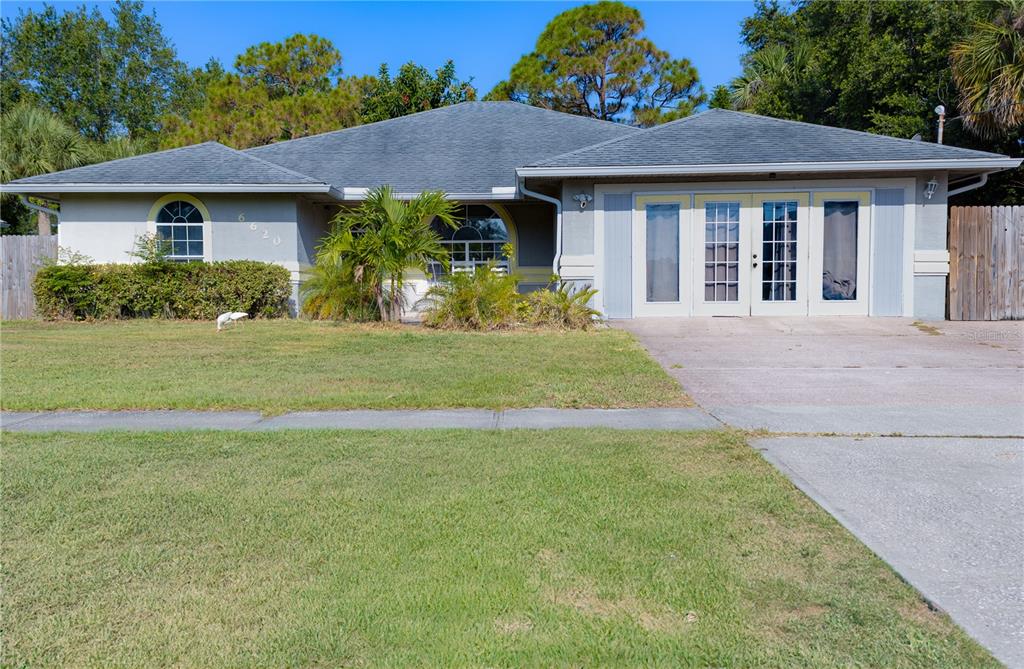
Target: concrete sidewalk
(947, 514)
(623, 419)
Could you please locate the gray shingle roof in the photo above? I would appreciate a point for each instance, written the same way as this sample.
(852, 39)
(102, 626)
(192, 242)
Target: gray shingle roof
(722, 137)
(465, 148)
(208, 163)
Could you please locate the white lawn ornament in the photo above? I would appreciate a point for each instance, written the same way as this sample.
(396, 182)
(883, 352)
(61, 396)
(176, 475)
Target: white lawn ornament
(230, 317)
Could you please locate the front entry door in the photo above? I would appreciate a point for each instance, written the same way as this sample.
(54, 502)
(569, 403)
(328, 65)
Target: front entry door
(721, 258)
(779, 253)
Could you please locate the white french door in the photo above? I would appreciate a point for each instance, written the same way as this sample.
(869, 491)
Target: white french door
(779, 254)
(721, 254)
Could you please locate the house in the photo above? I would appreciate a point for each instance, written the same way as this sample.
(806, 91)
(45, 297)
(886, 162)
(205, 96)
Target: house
(721, 213)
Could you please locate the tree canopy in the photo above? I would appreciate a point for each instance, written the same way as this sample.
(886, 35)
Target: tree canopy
(593, 60)
(278, 91)
(104, 78)
(413, 90)
(882, 67)
(988, 68)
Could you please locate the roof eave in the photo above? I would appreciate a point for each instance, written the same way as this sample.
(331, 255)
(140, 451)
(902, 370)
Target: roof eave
(29, 188)
(354, 194)
(759, 168)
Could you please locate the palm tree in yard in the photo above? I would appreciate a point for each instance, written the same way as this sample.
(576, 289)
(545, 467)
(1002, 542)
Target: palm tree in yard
(35, 141)
(384, 238)
(988, 69)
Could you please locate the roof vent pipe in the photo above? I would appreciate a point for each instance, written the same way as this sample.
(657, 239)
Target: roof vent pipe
(558, 221)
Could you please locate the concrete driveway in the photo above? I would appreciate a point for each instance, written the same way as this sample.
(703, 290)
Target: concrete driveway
(946, 508)
(847, 375)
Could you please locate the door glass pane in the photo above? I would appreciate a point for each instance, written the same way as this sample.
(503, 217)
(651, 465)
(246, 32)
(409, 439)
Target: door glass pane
(721, 266)
(839, 252)
(662, 253)
(778, 251)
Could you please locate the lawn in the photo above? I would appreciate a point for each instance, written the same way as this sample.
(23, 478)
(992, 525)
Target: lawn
(438, 548)
(276, 366)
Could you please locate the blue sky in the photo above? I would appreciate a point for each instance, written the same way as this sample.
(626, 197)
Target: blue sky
(484, 38)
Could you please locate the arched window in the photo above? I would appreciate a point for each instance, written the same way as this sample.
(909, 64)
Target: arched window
(179, 227)
(477, 240)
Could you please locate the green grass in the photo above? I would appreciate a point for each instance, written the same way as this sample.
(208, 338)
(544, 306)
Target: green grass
(438, 548)
(277, 366)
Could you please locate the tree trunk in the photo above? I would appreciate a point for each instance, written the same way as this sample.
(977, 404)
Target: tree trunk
(378, 291)
(43, 222)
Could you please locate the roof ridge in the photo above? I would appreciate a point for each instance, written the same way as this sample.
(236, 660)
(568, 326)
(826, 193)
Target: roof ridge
(560, 113)
(357, 127)
(860, 133)
(640, 131)
(272, 164)
(439, 109)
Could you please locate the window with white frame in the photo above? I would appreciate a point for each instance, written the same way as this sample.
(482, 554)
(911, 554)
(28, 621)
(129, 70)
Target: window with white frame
(476, 241)
(179, 230)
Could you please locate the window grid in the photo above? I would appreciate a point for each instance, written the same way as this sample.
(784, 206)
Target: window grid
(478, 241)
(779, 251)
(721, 251)
(179, 231)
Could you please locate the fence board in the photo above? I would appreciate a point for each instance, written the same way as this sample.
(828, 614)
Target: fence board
(986, 255)
(20, 259)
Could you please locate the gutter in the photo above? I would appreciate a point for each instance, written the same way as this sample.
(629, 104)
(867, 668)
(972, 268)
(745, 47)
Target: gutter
(994, 163)
(15, 187)
(558, 221)
(963, 189)
(39, 207)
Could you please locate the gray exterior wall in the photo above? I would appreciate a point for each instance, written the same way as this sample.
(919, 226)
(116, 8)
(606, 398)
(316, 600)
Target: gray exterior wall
(535, 231)
(930, 219)
(930, 234)
(617, 264)
(577, 224)
(887, 256)
(274, 238)
(930, 297)
(313, 222)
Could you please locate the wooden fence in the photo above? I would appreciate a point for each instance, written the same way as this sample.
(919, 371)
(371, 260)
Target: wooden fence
(986, 263)
(21, 256)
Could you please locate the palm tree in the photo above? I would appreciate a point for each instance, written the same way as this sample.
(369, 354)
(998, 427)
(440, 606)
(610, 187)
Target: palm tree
(35, 141)
(774, 68)
(988, 69)
(384, 238)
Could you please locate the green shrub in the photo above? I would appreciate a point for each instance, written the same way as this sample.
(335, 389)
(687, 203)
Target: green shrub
(488, 300)
(479, 300)
(331, 292)
(561, 308)
(197, 291)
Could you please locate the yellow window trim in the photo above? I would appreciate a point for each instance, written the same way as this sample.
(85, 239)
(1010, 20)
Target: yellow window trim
(861, 197)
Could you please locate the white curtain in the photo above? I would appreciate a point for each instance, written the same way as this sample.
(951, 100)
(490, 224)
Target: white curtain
(662, 253)
(839, 269)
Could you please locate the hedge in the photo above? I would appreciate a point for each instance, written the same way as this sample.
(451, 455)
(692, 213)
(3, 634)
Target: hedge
(199, 291)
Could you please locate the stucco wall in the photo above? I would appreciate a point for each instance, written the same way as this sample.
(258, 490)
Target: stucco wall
(252, 227)
(535, 232)
(577, 224)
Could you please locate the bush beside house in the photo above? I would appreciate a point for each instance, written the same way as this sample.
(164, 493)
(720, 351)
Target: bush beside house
(197, 291)
(489, 300)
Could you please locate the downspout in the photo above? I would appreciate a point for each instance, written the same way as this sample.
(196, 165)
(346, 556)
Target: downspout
(42, 210)
(964, 189)
(558, 221)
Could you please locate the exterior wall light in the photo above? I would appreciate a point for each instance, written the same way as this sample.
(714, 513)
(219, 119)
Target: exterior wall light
(583, 199)
(929, 189)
